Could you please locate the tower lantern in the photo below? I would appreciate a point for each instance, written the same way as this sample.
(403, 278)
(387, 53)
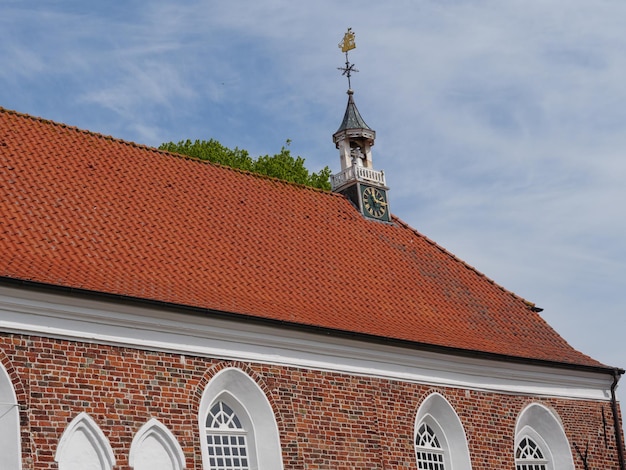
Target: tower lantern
(358, 180)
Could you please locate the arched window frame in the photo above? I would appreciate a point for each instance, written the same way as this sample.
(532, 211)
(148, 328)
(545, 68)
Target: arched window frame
(438, 455)
(543, 426)
(544, 463)
(436, 412)
(10, 442)
(245, 432)
(239, 391)
(85, 424)
(155, 429)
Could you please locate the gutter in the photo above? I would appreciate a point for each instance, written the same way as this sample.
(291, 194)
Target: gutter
(618, 431)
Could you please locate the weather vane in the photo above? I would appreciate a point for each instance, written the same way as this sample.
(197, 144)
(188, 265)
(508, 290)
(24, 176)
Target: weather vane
(347, 44)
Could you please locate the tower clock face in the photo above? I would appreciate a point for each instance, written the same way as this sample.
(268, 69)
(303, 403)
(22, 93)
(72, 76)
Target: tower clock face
(375, 203)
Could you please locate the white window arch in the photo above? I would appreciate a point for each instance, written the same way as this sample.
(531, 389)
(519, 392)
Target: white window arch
(540, 441)
(439, 438)
(10, 455)
(429, 452)
(531, 456)
(236, 418)
(154, 447)
(230, 437)
(83, 446)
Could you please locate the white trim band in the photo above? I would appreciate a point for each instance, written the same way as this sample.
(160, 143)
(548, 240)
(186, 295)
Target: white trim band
(30, 312)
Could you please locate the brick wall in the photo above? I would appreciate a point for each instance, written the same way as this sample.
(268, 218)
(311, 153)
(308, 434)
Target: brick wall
(326, 420)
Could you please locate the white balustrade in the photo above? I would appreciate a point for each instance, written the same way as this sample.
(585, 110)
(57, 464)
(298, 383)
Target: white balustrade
(357, 173)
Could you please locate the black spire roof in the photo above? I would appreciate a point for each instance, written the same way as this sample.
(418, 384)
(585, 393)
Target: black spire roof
(352, 118)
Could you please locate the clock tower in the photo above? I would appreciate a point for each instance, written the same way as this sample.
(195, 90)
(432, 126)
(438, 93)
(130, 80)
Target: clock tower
(358, 180)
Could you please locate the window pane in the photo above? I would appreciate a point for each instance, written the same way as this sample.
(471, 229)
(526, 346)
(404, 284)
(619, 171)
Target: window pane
(221, 416)
(528, 456)
(426, 437)
(428, 449)
(226, 439)
(430, 461)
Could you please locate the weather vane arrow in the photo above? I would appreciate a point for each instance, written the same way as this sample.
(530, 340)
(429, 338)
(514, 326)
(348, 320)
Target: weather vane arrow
(347, 44)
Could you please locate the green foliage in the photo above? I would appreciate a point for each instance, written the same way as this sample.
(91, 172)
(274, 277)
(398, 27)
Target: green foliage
(213, 151)
(281, 165)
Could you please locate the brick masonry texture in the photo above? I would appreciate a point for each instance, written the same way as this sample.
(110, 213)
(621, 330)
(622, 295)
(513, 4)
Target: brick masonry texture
(326, 420)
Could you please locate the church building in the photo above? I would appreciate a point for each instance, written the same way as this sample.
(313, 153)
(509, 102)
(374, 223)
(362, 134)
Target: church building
(159, 312)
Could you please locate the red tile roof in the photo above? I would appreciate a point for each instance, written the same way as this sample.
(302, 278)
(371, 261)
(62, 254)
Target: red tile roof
(86, 211)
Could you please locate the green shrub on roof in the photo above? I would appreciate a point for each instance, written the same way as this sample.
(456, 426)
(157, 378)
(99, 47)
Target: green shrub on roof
(281, 165)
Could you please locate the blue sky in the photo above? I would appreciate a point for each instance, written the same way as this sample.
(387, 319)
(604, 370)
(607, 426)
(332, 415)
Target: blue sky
(500, 125)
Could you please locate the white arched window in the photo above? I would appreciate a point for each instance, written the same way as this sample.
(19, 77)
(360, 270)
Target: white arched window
(227, 439)
(10, 455)
(154, 447)
(540, 441)
(440, 442)
(529, 456)
(237, 425)
(83, 446)
(428, 449)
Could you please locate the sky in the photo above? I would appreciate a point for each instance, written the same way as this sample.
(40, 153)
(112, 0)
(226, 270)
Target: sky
(501, 126)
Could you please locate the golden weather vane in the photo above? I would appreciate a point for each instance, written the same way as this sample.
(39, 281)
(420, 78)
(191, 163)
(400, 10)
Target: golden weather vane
(347, 44)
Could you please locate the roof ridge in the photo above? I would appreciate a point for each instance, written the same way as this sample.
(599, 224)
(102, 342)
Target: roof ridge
(155, 149)
(75, 128)
(530, 304)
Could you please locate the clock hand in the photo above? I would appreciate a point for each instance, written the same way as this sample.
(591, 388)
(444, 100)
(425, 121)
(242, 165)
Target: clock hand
(372, 199)
(379, 201)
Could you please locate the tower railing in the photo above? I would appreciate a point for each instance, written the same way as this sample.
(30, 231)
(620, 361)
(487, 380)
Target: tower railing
(357, 173)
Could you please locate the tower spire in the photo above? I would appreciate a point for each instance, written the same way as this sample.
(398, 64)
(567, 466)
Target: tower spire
(354, 138)
(358, 180)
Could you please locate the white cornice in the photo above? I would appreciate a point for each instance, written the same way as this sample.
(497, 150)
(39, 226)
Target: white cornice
(58, 316)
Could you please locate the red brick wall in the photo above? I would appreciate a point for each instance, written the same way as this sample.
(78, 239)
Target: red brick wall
(326, 420)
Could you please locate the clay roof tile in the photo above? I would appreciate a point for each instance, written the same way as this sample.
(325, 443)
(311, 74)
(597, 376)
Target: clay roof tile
(87, 211)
